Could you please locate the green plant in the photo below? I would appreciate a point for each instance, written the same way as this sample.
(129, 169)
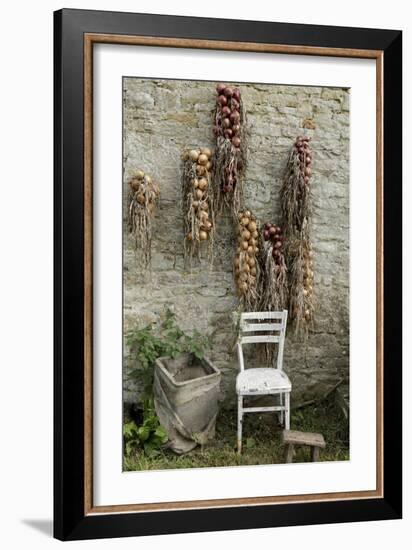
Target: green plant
(150, 436)
(166, 339)
(146, 345)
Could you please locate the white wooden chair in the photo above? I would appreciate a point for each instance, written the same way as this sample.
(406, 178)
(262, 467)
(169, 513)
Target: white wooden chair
(262, 381)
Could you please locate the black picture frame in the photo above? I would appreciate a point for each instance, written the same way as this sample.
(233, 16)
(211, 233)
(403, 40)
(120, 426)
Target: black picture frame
(71, 522)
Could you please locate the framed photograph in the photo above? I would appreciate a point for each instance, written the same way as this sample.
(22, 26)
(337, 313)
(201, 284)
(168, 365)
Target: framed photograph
(227, 274)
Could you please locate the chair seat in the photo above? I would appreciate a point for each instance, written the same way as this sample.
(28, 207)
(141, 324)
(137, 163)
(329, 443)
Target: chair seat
(262, 381)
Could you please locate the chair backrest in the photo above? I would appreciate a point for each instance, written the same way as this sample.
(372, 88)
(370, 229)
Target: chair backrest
(263, 327)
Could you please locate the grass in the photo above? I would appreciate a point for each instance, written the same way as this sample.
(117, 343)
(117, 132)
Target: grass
(261, 441)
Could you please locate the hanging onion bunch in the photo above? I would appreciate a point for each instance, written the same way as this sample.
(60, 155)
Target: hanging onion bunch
(230, 155)
(246, 267)
(143, 196)
(274, 282)
(301, 304)
(197, 200)
(296, 211)
(296, 187)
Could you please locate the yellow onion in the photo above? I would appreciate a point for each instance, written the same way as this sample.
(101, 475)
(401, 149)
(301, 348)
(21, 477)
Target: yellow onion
(252, 226)
(203, 160)
(140, 174)
(206, 151)
(193, 155)
(202, 183)
(202, 235)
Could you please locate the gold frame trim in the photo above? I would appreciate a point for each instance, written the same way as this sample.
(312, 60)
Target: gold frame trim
(89, 40)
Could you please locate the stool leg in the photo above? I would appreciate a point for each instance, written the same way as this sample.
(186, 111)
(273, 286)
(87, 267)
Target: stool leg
(239, 423)
(315, 454)
(289, 451)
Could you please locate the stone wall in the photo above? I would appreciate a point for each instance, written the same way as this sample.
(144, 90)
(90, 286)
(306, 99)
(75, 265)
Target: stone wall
(161, 119)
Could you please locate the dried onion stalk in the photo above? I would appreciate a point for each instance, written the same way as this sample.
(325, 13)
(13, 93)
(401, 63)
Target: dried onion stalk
(230, 153)
(197, 201)
(296, 212)
(246, 264)
(143, 196)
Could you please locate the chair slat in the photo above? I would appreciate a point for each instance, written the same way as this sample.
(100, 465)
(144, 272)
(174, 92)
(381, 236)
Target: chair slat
(263, 315)
(260, 327)
(259, 339)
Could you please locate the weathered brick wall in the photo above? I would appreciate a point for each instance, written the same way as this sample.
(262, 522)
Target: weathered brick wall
(161, 119)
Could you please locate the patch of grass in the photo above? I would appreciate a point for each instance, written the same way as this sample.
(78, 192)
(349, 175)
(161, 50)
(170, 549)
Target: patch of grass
(261, 441)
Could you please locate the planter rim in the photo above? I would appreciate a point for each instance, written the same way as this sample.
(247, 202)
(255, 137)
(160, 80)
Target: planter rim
(162, 367)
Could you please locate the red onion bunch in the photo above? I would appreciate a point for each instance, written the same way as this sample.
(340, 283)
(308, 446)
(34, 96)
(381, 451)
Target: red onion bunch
(273, 233)
(274, 281)
(228, 131)
(228, 114)
(296, 212)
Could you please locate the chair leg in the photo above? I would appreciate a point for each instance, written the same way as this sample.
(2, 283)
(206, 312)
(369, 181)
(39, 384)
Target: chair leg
(287, 411)
(281, 412)
(239, 422)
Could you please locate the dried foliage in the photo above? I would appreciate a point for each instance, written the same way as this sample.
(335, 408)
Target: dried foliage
(274, 292)
(230, 153)
(246, 265)
(197, 201)
(296, 212)
(143, 196)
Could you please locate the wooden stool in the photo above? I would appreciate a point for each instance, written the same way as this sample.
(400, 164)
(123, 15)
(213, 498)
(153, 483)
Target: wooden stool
(291, 438)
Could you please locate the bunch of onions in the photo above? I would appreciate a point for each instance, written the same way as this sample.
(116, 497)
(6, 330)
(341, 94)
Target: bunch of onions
(197, 200)
(230, 162)
(274, 283)
(143, 196)
(246, 266)
(296, 185)
(296, 212)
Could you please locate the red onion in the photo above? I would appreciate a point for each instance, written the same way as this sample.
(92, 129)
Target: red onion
(236, 94)
(228, 92)
(220, 88)
(234, 104)
(236, 141)
(234, 117)
(222, 100)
